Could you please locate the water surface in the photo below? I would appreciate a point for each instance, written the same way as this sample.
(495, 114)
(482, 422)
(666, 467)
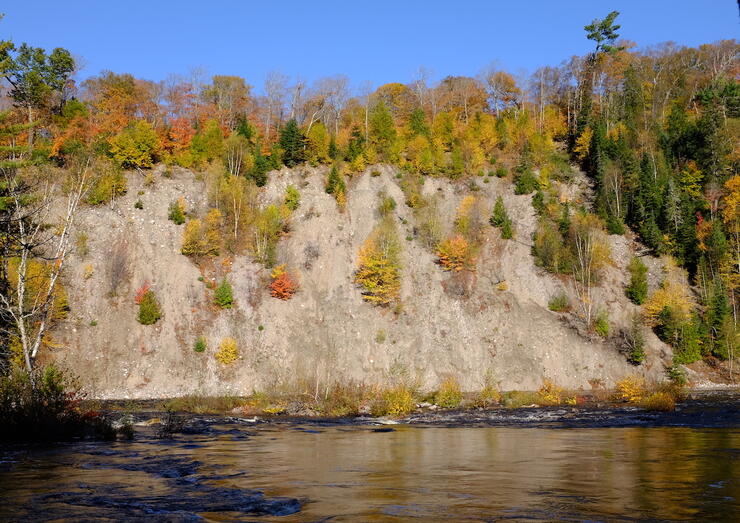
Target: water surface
(231, 470)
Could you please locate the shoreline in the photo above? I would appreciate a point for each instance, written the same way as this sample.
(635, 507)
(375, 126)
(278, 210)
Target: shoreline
(698, 409)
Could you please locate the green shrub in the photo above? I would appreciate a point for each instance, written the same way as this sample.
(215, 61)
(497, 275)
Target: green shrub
(676, 374)
(550, 249)
(637, 289)
(387, 205)
(46, 405)
(635, 342)
(200, 344)
(526, 182)
(224, 295)
(292, 198)
(149, 310)
(107, 186)
(335, 182)
(449, 394)
(501, 172)
(516, 398)
(176, 212)
(499, 215)
(559, 303)
(139, 205)
(507, 233)
(601, 324)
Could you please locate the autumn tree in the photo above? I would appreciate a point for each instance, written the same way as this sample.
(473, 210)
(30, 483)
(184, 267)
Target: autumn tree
(136, 147)
(379, 267)
(284, 284)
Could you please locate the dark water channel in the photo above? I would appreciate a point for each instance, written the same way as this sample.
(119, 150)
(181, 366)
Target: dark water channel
(227, 469)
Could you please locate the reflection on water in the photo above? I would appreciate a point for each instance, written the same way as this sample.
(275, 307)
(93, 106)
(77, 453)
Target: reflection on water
(231, 471)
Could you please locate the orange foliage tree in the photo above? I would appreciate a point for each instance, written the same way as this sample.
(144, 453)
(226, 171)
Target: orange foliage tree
(283, 285)
(455, 254)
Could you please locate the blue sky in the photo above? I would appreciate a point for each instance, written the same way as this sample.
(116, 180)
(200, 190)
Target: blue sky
(379, 41)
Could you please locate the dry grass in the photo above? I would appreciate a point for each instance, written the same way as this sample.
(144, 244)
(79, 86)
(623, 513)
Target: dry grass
(659, 401)
(449, 394)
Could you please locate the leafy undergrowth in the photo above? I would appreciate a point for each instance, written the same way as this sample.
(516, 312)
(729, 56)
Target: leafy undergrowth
(47, 405)
(654, 397)
(401, 399)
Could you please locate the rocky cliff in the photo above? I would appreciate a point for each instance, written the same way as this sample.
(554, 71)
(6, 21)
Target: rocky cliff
(492, 324)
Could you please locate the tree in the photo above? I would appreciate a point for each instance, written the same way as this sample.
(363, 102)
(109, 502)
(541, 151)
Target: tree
(604, 33)
(637, 289)
(293, 144)
(382, 130)
(283, 285)
(502, 90)
(192, 241)
(136, 147)
(499, 216)
(230, 96)
(149, 309)
(378, 266)
(37, 243)
(335, 181)
(317, 144)
(224, 295)
(590, 255)
(34, 76)
(236, 155)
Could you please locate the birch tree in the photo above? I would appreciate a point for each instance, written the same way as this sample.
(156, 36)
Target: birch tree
(36, 230)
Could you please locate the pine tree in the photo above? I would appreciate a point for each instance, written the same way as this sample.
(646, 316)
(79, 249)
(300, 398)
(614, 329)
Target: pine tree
(224, 295)
(149, 310)
(293, 144)
(637, 289)
(335, 182)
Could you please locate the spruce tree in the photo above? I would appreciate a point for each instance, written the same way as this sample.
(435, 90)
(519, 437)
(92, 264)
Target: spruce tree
(292, 142)
(499, 216)
(224, 295)
(334, 182)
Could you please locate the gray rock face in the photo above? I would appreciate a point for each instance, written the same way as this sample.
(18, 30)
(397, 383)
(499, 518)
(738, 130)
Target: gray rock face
(491, 325)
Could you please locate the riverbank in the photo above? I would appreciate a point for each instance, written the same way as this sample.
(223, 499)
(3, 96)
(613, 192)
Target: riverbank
(696, 408)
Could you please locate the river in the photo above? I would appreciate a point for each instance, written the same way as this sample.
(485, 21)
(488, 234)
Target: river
(230, 469)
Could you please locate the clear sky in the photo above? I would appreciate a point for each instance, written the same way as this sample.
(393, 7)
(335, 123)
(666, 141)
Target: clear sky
(377, 41)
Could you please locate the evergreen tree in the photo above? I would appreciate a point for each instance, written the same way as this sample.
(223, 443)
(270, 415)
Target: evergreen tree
(356, 144)
(637, 289)
(335, 182)
(224, 295)
(499, 215)
(261, 166)
(293, 143)
(149, 310)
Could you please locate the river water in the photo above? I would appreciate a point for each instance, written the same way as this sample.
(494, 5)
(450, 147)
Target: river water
(229, 469)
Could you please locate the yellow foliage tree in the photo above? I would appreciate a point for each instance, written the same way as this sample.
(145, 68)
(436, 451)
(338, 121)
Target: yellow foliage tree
(583, 144)
(212, 236)
(673, 293)
(378, 266)
(192, 242)
(228, 351)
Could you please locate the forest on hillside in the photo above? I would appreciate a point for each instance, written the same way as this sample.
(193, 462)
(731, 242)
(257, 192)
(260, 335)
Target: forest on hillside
(655, 130)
